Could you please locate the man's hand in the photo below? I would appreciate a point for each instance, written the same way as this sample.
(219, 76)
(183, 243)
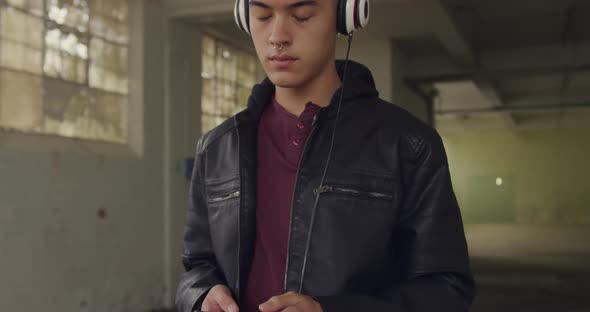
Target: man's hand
(291, 302)
(219, 299)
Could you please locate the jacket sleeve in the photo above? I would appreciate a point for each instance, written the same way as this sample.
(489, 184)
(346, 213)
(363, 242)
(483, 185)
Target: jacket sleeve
(198, 258)
(432, 262)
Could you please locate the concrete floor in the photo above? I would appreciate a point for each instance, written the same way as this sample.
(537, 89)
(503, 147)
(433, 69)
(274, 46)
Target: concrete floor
(530, 268)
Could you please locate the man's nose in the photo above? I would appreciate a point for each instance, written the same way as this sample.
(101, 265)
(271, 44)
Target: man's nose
(280, 31)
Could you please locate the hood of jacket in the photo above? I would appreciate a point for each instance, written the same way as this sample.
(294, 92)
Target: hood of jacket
(359, 84)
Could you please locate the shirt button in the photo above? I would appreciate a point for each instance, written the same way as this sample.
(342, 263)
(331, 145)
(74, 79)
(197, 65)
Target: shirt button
(300, 125)
(296, 142)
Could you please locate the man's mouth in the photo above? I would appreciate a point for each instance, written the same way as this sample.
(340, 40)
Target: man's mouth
(282, 60)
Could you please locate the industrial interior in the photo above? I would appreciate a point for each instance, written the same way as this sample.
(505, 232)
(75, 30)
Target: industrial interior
(102, 103)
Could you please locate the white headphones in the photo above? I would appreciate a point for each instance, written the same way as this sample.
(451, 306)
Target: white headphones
(351, 15)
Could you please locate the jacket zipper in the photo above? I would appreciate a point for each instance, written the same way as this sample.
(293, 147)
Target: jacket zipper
(342, 190)
(239, 258)
(225, 197)
(313, 129)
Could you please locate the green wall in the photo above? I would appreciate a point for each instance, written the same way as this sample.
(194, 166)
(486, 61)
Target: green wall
(545, 175)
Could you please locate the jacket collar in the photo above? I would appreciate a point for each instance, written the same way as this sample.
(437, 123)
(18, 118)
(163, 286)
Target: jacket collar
(359, 85)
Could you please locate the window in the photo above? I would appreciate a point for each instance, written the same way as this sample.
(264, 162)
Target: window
(63, 68)
(227, 78)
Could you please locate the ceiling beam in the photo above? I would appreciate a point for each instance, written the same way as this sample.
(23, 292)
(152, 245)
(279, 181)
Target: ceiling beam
(500, 64)
(489, 92)
(461, 53)
(448, 32)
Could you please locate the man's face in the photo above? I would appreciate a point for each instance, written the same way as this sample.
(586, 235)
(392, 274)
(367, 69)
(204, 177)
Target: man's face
(305, 29)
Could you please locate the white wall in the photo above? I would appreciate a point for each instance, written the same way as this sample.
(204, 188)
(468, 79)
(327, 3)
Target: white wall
(56, 254)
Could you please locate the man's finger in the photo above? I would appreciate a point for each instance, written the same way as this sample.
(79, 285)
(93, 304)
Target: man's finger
(210, 307)
(278, 303)
(225, 301)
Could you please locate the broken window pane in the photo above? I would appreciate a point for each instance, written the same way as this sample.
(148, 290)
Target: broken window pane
(65, 56)
(71, 13)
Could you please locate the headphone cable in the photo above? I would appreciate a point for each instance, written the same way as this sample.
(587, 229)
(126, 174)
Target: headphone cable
(318, 190)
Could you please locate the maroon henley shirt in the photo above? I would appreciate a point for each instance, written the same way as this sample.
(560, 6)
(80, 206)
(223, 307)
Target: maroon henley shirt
(281, 137)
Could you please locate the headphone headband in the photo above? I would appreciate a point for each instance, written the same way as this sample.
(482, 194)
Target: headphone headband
(351, 15)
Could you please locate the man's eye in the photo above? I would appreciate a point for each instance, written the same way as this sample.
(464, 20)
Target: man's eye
(302, 19)
(264, 18)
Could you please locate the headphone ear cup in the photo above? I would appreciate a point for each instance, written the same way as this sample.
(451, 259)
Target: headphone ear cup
(352, 15)
(363, 13)
(341, 17)
(242, 15)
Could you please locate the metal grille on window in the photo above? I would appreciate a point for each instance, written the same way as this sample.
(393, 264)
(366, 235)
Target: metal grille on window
(228, 75)
(64, 68)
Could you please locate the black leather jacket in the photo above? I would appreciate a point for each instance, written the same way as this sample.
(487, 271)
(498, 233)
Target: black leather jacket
(387, 234)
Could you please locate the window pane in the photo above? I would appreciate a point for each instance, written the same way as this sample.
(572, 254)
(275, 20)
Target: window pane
(206, 123)
(20, 27)
(227, 79)
(208, 70)
(208, 46)
(65, 55)
(46, 44)
(107, 80)
(243, 95)
(72, 111)
(20, 40)
(71, 13)
(33, 6)
(209, 106)
(109, 67)
(109, 56)
(20, 57)
(109, 20)
(74, 69)
(20, 101)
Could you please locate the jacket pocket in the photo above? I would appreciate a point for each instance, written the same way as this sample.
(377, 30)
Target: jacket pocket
(346, 190)
(224, 197)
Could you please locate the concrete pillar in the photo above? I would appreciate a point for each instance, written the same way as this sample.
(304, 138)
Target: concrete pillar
(420, 105)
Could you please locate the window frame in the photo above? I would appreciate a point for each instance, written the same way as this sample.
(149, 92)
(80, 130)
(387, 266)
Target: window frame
(86, 36)
(133, 148)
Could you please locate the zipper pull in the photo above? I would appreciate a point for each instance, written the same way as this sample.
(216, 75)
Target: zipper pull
(315, 119)
(322, 189)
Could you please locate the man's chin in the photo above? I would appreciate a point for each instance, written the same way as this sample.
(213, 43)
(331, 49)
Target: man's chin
(285, 80)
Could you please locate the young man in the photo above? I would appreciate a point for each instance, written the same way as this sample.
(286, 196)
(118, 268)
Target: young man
(289, 215)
